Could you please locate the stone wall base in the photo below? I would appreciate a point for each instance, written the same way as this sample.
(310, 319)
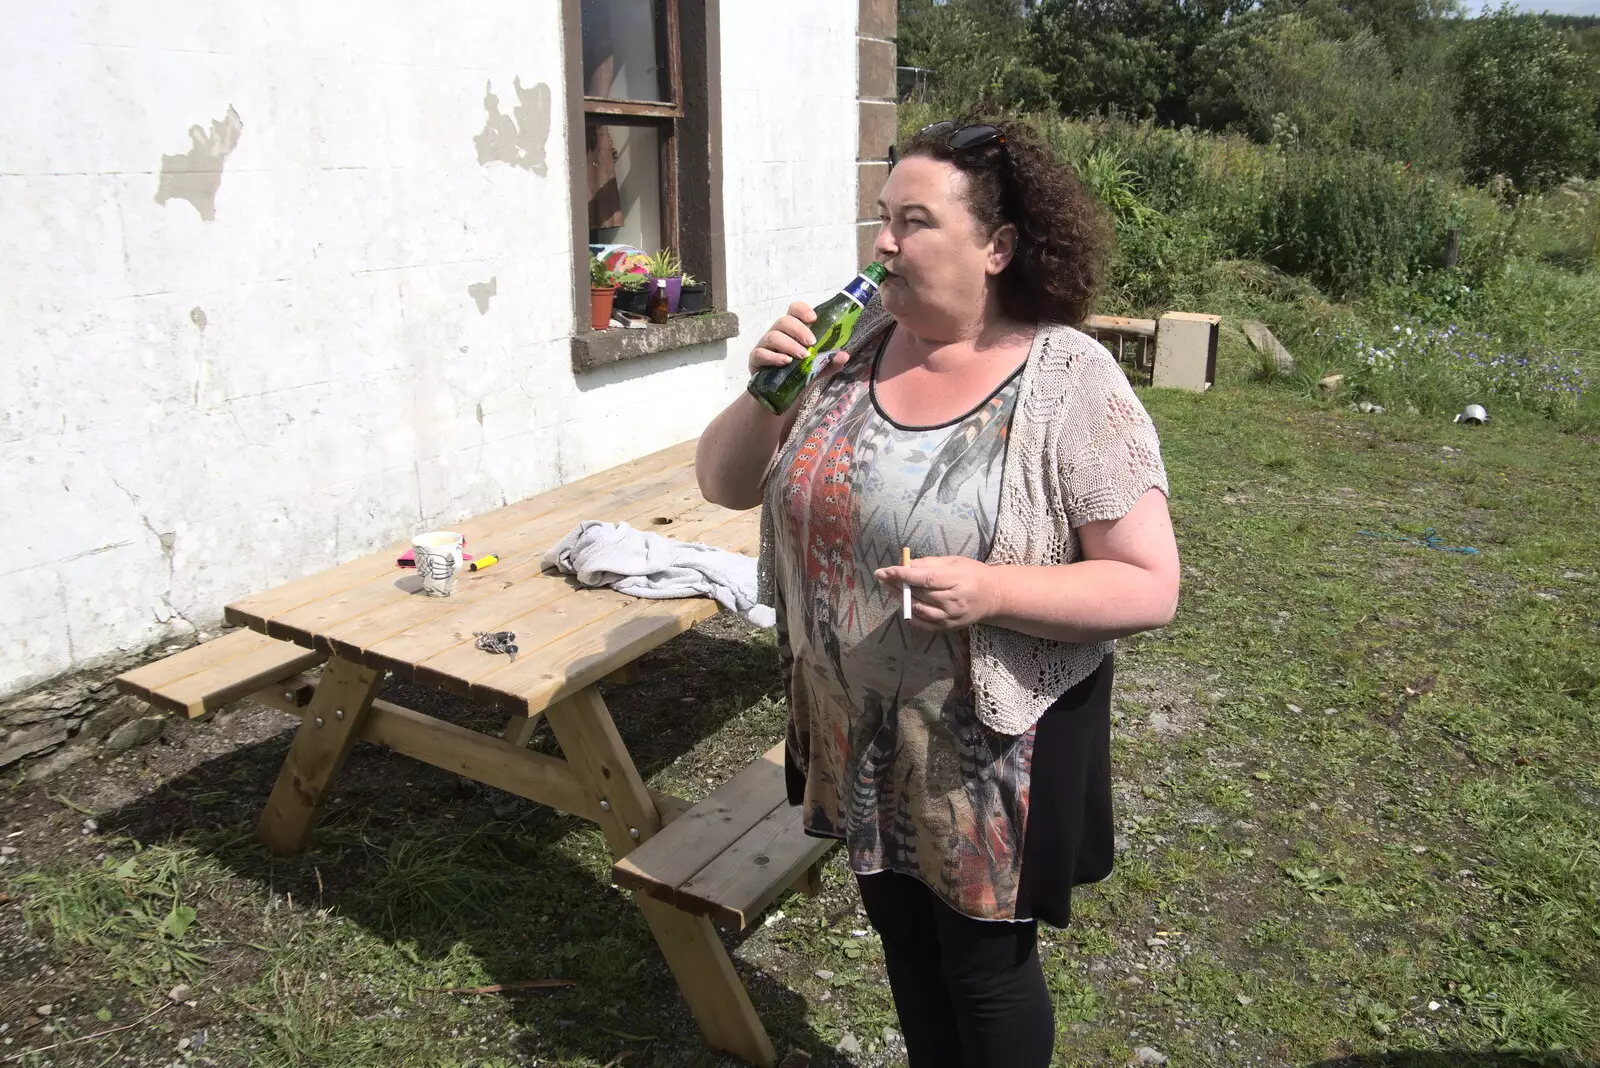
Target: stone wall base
(77, 716)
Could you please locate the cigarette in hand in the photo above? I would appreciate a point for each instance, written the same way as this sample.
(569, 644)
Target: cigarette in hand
(905, 590)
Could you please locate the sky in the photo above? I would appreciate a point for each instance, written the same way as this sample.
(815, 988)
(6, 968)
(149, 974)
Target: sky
(1554, 7)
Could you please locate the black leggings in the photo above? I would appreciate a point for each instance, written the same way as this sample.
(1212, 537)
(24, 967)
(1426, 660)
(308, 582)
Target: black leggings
(970, 993)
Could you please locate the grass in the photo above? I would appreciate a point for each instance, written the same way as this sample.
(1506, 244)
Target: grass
(1400, 738)
(1358, 808)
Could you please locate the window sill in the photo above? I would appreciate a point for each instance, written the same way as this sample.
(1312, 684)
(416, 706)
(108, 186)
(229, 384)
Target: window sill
(596, 348)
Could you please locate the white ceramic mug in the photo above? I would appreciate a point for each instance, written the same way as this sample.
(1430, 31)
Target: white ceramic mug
(438, 555)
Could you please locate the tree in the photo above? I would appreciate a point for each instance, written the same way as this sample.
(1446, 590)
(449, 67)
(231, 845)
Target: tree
(1130, 55)
(1288, 80)
(1527, 100)
(1394, 22)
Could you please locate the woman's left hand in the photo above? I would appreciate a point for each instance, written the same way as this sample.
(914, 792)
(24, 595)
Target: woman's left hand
(947, 592)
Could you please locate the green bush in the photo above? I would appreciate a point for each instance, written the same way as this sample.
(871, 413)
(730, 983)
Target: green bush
(978, 51)
(1161, 161)
(1353, 222)
(1161, 263)
(1562, 226)
(1528, 101)
(1350, 222)
(1536, 304)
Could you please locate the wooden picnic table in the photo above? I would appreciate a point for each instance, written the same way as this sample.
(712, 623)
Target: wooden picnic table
(368, 618)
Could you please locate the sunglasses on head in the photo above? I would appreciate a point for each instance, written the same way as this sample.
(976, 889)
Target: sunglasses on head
(962, 138)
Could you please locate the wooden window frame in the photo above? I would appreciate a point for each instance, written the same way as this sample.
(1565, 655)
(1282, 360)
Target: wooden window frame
(691, 161)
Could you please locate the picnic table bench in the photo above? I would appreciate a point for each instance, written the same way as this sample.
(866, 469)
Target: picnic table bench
(721, 861)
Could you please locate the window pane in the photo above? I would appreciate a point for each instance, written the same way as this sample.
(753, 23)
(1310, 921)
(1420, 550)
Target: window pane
(620, 57)
(624, 185)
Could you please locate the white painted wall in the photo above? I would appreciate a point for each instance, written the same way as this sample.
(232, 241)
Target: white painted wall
(789, 142)
(345, 389)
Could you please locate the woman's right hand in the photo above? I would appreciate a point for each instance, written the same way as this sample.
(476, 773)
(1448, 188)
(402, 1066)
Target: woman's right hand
(788, 339)
(734, 450)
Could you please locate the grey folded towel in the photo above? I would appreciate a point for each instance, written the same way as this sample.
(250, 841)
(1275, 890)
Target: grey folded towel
(643, 564)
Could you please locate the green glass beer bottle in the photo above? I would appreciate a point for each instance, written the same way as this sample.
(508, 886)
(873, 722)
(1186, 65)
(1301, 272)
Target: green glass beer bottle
(779, 387)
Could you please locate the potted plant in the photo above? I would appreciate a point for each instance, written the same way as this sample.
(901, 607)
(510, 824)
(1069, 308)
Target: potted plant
(665, 264)
(693, 298)
(633, 292)
(602, 291)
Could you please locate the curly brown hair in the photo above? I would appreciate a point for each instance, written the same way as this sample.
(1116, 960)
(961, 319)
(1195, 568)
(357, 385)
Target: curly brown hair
(1063, 239)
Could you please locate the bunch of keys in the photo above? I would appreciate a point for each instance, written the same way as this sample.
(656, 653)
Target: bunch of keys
(499, 641)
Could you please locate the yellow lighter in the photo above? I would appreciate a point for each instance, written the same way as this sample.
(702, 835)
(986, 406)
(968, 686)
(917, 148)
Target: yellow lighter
(482, 562)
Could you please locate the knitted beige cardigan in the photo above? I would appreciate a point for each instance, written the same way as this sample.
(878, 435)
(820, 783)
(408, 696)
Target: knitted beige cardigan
(1081, 449)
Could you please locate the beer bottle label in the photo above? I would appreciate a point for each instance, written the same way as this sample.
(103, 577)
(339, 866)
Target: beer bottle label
(860, 290)
(820, 362)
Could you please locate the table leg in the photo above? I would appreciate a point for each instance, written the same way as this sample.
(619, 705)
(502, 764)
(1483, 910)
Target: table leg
(627, 675)
(519, 729)
(328, 730)
(810, 881)
(628, 816)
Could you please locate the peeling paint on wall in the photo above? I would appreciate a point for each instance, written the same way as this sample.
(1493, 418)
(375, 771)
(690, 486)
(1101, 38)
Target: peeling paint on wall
(197, 316)
(518, 138)
(482, 292)
(196, 175)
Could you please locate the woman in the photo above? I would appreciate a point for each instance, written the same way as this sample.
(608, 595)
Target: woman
(963, 757)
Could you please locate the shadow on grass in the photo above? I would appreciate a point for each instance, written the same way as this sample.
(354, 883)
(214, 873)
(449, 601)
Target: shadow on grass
(1457, 1059)
(420, 857)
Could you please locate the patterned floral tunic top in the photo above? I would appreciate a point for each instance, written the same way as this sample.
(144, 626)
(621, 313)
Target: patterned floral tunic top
(882, 724)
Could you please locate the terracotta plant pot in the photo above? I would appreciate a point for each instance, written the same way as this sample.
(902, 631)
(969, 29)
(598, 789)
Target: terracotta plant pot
(600, 306)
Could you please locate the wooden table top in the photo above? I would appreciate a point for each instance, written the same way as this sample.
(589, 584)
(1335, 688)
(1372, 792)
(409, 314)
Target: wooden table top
(371, 611)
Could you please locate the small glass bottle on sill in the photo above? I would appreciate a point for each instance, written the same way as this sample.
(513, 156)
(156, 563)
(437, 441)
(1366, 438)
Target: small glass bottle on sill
(658, 301)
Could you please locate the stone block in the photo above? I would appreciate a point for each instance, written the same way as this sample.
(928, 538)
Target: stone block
(109, 718)
(34, 738)
(869, 185)
(1186, 351)
(51, 702)
(1274, 357)
(600, 347)
(877, 18)
(57, 762)
(135, 732)
(875, 73)
(877, 130)
(866, 237)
